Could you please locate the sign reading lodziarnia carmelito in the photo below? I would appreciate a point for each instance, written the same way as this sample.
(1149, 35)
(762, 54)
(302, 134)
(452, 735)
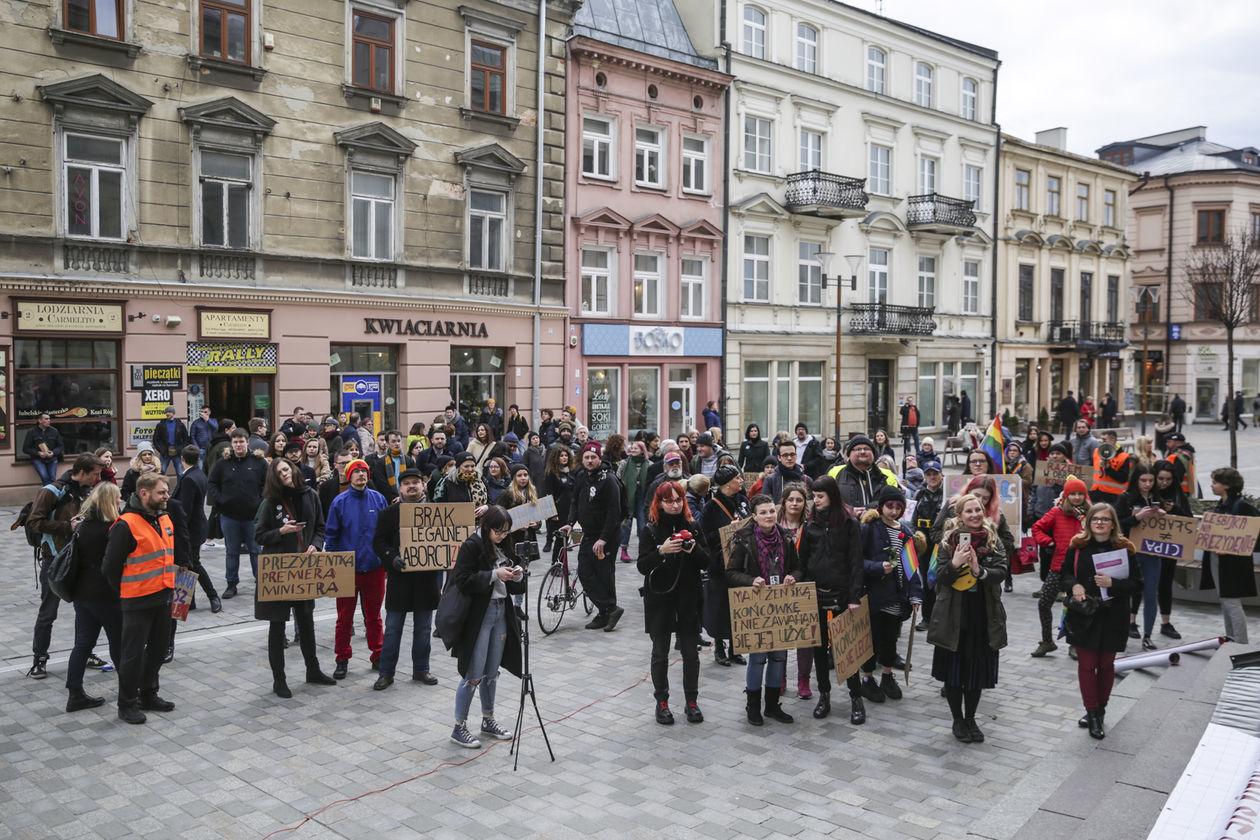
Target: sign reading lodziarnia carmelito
(53, 316)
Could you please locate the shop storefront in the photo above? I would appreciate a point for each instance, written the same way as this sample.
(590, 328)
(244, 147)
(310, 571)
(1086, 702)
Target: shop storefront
(655, 378)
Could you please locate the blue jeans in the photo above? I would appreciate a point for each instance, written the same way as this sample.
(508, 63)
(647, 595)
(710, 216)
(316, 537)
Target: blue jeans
(910, 434)
(1150, 590)
(90, 617)
(421, 640)
(47, 470)
(636, 516)
(173, 459)
(236, 532)
(483, 667)
(775, 665)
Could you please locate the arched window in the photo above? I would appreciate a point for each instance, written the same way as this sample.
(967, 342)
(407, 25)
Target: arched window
(754, 32)
(806, 48)
(876, 63)
(923, 84)
(969, 97)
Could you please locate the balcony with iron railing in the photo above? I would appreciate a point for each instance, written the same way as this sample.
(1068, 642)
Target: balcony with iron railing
(890, 319)
(937, 213)
(818, 193)
(1089, 334)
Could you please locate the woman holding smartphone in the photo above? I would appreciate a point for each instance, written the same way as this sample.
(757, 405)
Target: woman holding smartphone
(486, 571)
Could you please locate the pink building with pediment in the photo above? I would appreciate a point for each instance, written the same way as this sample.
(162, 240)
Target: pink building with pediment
(644, 269)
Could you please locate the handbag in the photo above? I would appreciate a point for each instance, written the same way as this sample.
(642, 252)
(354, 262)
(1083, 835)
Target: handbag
(61, 570)
(452, 609)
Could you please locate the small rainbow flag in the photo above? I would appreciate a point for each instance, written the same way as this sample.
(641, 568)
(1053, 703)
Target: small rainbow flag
(993, 445)
(909, 559)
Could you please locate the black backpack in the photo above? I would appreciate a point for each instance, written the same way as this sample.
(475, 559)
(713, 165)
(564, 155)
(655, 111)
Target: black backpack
(33, 537)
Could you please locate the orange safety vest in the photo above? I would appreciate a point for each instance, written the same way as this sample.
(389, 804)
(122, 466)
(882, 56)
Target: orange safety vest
(150, 567)
(1104, 483)
(1187, 482)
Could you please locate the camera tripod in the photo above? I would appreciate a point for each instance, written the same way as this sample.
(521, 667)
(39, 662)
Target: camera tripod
(527, 684)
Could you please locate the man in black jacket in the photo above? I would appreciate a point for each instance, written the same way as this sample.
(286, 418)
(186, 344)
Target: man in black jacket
(235, 490)
(807, 448)
(492, 417)
(786, 472)
(1069, 410)
(928, 503)
(190, 493)
(596, 506)
(438, 446)
(417, 593)
(170, 436)
(43, 445)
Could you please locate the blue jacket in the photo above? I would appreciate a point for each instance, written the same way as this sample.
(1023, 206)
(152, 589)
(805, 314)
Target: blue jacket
(352, 524)
(202, 431)
(886, 590)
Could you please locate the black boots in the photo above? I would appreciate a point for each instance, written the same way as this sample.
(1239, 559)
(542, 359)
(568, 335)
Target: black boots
(80, 700)
(823, 707)
(773, 710)
(1094, 719)
(280, 687)
(753, 707)
(719, 652)
(857, 711)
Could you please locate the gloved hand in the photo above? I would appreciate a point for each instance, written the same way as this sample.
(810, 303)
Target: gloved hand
(399, 563)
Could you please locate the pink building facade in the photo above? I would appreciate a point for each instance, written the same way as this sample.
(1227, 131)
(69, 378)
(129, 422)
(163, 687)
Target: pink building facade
(644, 245)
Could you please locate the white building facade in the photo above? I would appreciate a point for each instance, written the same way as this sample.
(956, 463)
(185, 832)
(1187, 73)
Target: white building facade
(852, 134)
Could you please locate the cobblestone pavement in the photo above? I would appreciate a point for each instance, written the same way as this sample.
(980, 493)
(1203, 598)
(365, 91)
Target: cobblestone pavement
(233, 761)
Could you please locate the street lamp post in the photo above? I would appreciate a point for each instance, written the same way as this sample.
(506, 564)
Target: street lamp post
(855, 265)
(1151, 294)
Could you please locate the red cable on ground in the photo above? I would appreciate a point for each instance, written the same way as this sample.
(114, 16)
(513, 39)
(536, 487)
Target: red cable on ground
(478, 755)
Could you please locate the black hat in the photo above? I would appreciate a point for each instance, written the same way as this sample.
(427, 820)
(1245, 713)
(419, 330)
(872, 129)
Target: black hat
(725, 474)
(518, 468)
(443, 460)
(888, 494)
(770, 459)
(705, 439)
(858, 440)
(410, 472)
(294, 445)
(465, 456)
(1062, 447)
(1177, 436)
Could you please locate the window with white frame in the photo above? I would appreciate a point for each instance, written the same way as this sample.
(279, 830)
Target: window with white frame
(695, 273)
(597, 147)
(487, 230)
(923, 84)
(1054, 192)
(754, 32)
(809, 273)
(876, 66)
(96, 185)
(226, 184)
(596, 281)
(756, 268)
(806, 48)
(927, 282)
(647, 285)
(972, 185)
(757, 134)
(880, 175)
(1109, 208)
(927, 175)
(877, 276)
(695, 164)
(1082, 202)
(371, 216)
(1023, 179)
(971, 287)
(811, 150)
(649, 152)
(969, 92)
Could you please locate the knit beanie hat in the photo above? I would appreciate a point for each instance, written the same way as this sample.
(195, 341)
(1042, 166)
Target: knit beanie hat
(1074, 485)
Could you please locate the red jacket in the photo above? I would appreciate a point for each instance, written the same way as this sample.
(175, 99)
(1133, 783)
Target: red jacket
(1056, 529)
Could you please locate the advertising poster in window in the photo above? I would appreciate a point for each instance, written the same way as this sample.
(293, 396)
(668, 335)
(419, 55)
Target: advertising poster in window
(601, 395)
(157, 385)
(6, 436)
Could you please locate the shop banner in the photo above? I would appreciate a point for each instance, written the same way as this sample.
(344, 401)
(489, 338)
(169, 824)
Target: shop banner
(228, 357)
(158, 384)
(1010, 496)
(138, 433)
(851, 642)
(1225, 533)
(1048, 473)
(1166, 535)
(431, 534)
(305, 577)
(774, 617)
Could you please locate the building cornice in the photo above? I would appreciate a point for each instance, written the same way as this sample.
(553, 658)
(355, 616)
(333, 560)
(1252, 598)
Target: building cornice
(664, 68)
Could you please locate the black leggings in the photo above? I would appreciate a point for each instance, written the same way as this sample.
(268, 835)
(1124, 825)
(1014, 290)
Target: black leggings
(824, 666)
(884, 630)
(962, 704)
(688, 644)
(305, 620)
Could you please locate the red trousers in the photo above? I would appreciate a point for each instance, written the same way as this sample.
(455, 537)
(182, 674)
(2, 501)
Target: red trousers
(1096, 672)
(370, 586)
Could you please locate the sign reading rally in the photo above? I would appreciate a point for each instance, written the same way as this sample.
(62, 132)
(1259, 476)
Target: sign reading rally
(305, 577)
(432, 534)
(782, 617)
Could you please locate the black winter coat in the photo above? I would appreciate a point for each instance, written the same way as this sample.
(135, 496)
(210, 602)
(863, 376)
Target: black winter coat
(671, 582)
(473, 574)
(745, 568)
(596, 505)
(753, 454)
(719, 511)
(273, 513)
(1238, 578)
(235, 486)
(404, 591)
(90, 585)
(190, 491)
(1108, 628)
(831, 556)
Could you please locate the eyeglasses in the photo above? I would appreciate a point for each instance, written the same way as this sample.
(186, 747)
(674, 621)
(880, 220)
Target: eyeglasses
(507, 530)
(978, 461)
(1100, 519)
(671, 501)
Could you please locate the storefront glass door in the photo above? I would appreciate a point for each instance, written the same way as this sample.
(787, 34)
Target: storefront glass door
(682, 400)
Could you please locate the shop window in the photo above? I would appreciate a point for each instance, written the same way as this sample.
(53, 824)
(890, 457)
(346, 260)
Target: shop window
(757, 397)
(487, 227)
(477, 374)
(74, 381)
(365, 375)
(226, 183)
(779, 394)
(96, 181)
(809, 394)
(644, 400)
(225, 30)
(926, 399)
(372, 215)
(603, 402)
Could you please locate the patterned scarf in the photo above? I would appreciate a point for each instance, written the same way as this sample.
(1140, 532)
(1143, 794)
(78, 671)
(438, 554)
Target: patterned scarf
(770, 552)
(477, 489)
(395, 462)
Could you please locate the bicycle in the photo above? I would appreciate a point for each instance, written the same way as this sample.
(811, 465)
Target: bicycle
(559, 589)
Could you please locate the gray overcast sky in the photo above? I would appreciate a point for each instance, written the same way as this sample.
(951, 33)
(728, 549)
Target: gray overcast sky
(1110, 69)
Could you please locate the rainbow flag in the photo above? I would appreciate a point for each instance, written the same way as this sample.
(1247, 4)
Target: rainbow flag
(909, 559)
(993, 445)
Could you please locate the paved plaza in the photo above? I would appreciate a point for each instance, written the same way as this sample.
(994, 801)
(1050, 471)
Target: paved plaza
(234, 761)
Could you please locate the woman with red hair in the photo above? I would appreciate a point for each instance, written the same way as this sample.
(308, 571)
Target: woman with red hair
(671, 560)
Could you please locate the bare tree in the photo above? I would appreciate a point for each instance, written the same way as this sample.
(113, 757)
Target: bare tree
(1222, 288)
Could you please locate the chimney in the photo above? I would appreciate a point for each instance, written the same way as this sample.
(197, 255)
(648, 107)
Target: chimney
(1055, 138)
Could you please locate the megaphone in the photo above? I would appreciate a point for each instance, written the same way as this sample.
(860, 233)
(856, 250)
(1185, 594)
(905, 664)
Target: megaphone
(1107, 451)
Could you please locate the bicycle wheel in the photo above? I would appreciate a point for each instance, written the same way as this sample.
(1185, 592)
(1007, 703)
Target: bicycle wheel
(551, 600)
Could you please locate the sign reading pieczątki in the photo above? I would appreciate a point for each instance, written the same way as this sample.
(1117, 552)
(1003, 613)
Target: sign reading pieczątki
(780, 617)
(305, 577)
(432, 534)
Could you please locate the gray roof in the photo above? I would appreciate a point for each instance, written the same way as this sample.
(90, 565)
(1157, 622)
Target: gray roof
(647, 26)
(1196, 156)
(983, 52)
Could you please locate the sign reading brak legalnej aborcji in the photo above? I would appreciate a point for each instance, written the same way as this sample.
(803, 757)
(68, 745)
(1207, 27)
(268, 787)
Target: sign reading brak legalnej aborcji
(432, 533)
(779, 617)
(304, 577)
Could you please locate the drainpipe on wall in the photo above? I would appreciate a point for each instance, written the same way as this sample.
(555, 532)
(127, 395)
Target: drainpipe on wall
(536, 368)
(726, 207)
(993, 313)
(1168, 305)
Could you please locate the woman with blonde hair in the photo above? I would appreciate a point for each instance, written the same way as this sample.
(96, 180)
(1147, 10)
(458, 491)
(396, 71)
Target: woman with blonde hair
(96, 603)
(315, 456)
(145, 461)
(968, 625)
(1144, 451)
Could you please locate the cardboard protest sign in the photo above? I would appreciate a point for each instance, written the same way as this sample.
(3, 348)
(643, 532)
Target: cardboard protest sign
(540, 511)
(751, 478)
(782, 617)
(851, 642)
(726, 534)
(1166, 535)
(1049, 473)
(432, 534)
(182, 597)
(1010, 496)
(1228, 534)
(305, 577)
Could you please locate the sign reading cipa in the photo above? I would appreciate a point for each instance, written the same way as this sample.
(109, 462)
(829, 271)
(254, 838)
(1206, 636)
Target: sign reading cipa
(656, 341)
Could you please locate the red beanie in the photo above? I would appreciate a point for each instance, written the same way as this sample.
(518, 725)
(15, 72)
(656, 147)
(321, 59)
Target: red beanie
(1074, 485)
(592, 446)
